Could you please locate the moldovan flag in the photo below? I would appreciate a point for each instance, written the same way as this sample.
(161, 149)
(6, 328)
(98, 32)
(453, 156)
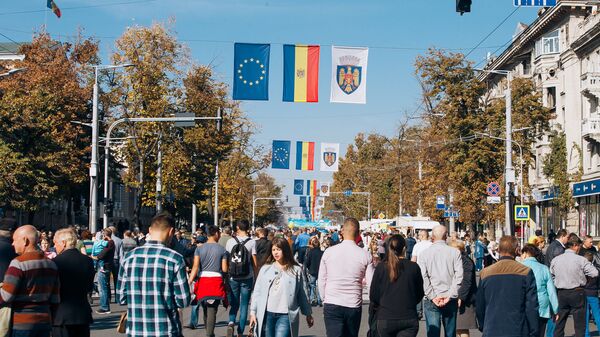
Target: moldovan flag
(330, 157)
(50, 4)
(311, 187)
(349, 74)
(305, 156)
(300, 73)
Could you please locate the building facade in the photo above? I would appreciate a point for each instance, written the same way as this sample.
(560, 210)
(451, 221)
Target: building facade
(560, 52)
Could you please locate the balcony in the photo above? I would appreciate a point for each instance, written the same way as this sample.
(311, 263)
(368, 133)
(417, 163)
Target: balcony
(590, 84)
(591, 128)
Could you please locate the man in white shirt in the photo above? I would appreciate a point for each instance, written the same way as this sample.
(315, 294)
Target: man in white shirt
(422, 245)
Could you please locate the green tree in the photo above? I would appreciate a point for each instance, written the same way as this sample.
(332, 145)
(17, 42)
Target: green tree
(556, 170)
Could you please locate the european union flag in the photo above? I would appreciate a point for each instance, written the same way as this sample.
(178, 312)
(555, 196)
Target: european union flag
(280, 156)
(251, 71)
(298, 187)
(303, 202)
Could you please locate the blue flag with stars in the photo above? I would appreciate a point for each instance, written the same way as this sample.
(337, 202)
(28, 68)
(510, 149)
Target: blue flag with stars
(298, 187)
(303, 203)
(280, 156)
(251, 71)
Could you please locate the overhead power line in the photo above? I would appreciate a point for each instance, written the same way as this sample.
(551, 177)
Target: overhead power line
(79, 7)
(492, 32)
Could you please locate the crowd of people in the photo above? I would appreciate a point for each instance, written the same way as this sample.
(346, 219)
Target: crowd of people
(268, 279)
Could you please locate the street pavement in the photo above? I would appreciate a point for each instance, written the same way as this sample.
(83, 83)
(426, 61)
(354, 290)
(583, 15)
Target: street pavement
(105, 325)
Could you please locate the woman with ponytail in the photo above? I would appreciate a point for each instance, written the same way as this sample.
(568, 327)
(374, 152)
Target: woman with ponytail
(396, 289)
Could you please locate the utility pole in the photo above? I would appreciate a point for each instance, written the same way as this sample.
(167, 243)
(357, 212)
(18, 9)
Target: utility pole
(510, 172)
(159, 176)
(420, 206)
(216, 210)
(93, 220)
(451, 197)
(194, 217)
(400, 210)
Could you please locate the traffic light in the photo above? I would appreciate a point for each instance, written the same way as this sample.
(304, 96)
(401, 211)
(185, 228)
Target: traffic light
(463, 6)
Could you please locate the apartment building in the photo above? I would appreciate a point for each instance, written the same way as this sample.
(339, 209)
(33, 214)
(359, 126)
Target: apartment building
(560, 52)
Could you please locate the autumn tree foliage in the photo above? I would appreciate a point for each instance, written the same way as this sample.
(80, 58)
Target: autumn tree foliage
(453, 142)
(44, 155)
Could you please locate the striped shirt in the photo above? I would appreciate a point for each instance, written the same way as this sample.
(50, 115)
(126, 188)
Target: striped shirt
(31, 286)
(154, 285)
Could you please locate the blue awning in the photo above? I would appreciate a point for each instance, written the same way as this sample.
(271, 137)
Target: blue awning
(586, 188)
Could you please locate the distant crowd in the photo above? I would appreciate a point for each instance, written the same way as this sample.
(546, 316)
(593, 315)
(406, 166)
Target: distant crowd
(269, 277)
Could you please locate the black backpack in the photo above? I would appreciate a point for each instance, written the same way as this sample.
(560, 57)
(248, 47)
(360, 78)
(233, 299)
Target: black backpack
(239, 260)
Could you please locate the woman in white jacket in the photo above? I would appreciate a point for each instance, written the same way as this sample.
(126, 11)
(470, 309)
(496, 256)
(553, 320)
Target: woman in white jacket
(279, 295)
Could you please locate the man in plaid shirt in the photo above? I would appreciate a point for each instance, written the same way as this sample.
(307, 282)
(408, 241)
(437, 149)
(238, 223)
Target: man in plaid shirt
(154, 284)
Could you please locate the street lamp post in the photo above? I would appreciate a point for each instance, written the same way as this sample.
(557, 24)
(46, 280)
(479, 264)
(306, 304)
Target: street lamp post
(254, 200)
(509, 172)
(93, 220)
(136, 120)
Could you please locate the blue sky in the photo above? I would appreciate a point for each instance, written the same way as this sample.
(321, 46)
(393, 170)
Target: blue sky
(396, 31)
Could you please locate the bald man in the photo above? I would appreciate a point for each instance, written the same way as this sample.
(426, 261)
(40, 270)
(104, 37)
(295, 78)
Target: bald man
(31, 286)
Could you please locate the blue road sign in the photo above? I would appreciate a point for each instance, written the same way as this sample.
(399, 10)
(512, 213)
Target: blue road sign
(440, 202)
(451, 213)
(348, 193)
(522, 212)
(534, 3)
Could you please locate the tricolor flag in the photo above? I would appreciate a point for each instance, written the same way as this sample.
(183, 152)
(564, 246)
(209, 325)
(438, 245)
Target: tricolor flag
(305, 156)
(50, 4)
(300, 73)
(311, 188)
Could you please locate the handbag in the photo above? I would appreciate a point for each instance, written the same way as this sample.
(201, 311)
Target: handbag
(122, 323)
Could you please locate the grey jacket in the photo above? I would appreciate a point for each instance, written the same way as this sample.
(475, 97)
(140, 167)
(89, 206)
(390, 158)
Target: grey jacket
(296, 293)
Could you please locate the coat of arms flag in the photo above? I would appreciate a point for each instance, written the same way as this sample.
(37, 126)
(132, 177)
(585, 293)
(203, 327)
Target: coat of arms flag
(300, 73)
(324, 189)
(251, 71)
(330, 157)
(280, 156)
(349, 75)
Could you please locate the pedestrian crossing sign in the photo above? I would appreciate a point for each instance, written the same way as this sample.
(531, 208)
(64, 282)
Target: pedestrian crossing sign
(522, 212)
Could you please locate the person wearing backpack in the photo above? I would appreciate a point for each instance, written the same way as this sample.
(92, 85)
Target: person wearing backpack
(242, 268)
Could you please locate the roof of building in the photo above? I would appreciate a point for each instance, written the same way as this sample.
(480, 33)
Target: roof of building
(10, 51)
(546, 17)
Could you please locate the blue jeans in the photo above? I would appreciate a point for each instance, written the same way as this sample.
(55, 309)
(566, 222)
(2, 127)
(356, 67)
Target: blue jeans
(436, 317)
(314, 290)
(550, 326)
(594, 307)
(240, 297)
(194, 316)
(104, 289)
(277, 325)
(341, 321)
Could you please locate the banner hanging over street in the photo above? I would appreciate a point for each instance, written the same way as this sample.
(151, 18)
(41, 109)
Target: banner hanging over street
(349, 74)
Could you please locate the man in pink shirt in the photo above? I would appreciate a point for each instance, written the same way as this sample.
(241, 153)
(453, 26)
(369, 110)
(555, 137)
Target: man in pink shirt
(343, 268)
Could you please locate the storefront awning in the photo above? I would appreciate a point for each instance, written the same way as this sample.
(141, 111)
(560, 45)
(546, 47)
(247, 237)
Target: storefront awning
(586, 188)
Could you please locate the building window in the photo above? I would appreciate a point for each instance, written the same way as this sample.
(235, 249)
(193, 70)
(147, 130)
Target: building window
(548, 44)
(526, 67)
(551, 97)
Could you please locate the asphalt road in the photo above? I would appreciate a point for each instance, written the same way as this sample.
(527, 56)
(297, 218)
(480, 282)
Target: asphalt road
(105, 325)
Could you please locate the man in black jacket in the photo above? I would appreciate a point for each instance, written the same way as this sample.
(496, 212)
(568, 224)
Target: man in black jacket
(507, 302)
(263, 247)
(7, 252)
(557, 246)
(73, 315)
